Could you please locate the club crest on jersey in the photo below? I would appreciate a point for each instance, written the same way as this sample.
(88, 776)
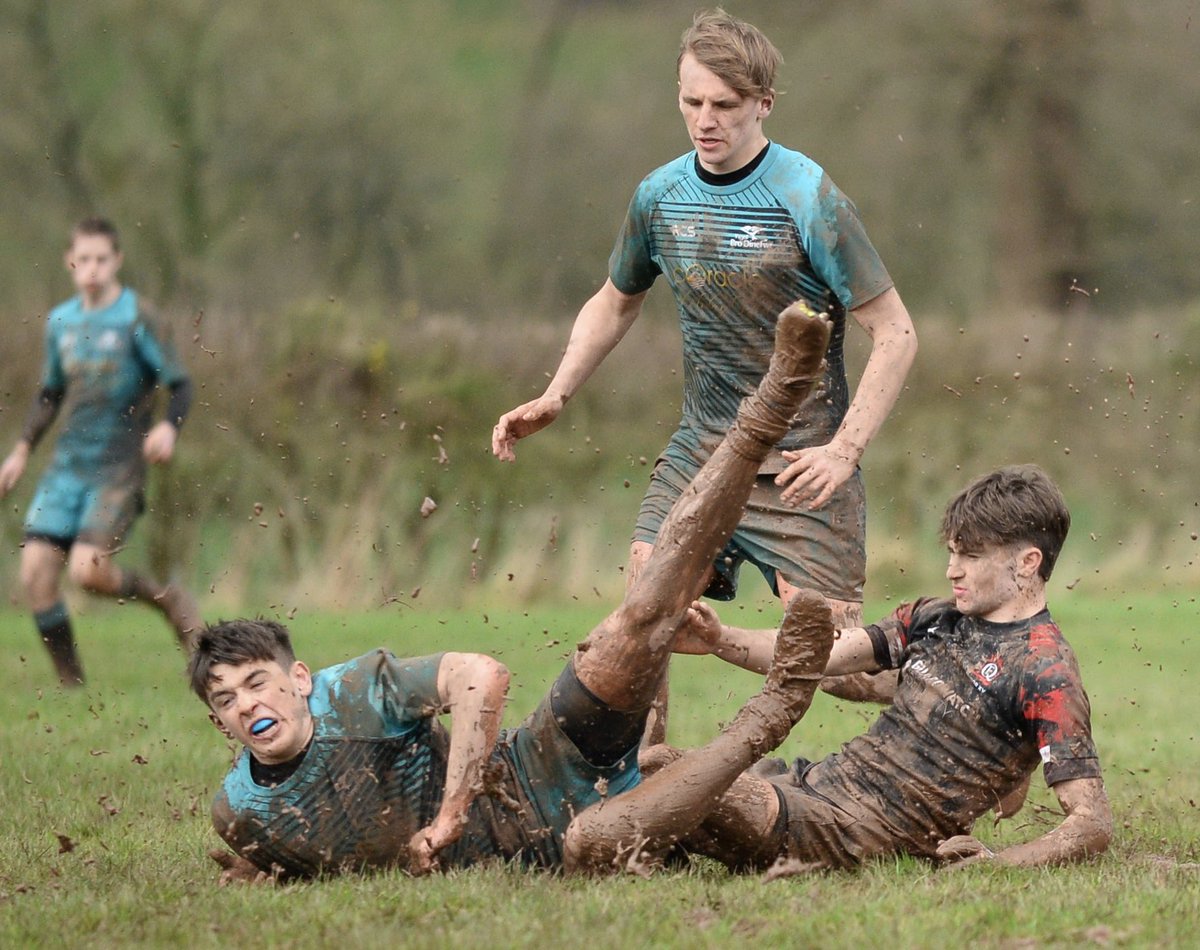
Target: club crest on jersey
(109, 340)
(985, 674)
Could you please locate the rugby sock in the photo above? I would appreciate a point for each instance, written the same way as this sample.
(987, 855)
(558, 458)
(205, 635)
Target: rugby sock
(54, 627)
(602, 735)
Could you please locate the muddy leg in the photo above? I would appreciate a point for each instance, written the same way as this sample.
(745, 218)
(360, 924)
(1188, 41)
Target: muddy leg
(623, 659)
(674, 801)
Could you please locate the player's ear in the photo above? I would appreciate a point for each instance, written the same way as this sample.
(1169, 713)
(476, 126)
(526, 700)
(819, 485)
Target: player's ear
(766, 104)
(302, 678)
(1029, 560)
(212, 717)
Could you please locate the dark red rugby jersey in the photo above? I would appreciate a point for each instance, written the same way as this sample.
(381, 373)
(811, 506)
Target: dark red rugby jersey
(978, 704)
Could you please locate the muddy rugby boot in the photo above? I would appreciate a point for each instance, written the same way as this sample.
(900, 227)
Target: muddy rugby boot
(801, 651)
(765, 416)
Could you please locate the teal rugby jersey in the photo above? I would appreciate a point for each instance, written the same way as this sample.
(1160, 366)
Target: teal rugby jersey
(735, 256)
(107, 363)
(375, 773)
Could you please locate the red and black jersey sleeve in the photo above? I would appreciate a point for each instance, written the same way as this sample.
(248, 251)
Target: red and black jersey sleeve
(1056, 710)
(907, 624)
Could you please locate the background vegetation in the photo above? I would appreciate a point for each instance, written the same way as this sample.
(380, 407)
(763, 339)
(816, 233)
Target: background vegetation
(369, 227)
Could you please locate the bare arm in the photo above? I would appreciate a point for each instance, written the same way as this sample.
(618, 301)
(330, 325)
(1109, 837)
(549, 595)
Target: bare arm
(815, 473)
(601, 324)
(13, 466)
(40, 417)
(1085, 831)
(752, 649)
(474, 687)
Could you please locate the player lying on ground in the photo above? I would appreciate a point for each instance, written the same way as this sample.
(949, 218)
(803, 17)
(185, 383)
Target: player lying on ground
(349, 768)
(103, 362)
(987, 686)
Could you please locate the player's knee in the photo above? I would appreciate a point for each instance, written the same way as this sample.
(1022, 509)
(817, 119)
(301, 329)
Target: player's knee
(86, 572)
(581, 846)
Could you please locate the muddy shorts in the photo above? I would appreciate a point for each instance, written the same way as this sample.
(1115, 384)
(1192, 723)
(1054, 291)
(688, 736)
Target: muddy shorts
(817, 830)
(823, 549)
(67, 508)
(555, 776)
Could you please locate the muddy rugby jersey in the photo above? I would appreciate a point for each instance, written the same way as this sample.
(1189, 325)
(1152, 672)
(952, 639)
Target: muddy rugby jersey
(106, 364)
(977, 706)
(735, 255)
(375, 772)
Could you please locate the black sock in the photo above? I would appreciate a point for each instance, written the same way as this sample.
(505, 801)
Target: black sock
(54, 627)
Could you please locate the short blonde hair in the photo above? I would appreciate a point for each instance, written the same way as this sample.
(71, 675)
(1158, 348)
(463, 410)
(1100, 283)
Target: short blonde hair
(736, 51)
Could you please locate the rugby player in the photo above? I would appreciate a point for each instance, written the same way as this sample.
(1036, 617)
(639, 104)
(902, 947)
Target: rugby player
(349, 768)
(103, 361)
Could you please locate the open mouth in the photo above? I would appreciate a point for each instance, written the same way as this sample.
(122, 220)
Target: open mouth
(262, 726)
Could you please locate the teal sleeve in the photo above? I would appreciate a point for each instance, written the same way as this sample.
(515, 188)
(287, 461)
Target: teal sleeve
(159, 357)
(408, 686)
(840, 251)
(53, 377)
(631, 266)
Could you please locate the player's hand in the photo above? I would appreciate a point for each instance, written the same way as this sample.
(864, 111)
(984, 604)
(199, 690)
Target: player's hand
(816, 473)
(237, 870)
(426, 844)
(523, 421)
(962, 850)
(701, 631)
(159, 444)
(13, 467)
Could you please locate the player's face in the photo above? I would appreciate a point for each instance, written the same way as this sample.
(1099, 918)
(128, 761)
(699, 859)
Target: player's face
(93, 263)
(990, 582)
(263, 706)
(724, 126)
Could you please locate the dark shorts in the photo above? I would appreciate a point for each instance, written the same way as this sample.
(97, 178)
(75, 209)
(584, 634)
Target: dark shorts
(816, 829)
(556, 777)
(67, 508)
(823, 549)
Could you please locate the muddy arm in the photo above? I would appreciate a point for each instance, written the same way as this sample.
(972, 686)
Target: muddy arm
(1085, 831)
(474, 687)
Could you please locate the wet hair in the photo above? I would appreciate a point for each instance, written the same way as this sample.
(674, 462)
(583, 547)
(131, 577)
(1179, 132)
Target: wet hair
(734, 50)
(236, 642)
(96, 225)
(1018, 504)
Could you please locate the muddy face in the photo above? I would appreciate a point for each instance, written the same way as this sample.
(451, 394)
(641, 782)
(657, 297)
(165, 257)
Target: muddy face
(986, 582)
(263, 706)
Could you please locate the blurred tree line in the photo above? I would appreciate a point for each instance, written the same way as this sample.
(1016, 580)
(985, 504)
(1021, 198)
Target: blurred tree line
(478, 154)
(370, 224)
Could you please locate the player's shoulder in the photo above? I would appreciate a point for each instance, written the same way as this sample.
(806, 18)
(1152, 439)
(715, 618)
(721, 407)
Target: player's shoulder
(1045, 637)
(236, 788)
(65, 313)
(794, 177)
(927, 616)
(666, 177)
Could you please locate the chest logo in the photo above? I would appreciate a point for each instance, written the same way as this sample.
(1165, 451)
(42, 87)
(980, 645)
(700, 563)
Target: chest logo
(752, 238)
(985, 674)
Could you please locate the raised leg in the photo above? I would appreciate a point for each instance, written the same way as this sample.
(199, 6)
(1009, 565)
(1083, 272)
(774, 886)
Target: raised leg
(623, 659)
(673, 802)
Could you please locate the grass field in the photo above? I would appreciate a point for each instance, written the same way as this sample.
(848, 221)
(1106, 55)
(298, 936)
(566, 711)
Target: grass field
(105, 792)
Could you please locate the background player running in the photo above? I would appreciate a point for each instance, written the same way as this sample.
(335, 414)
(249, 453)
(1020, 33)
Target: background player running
(988, 688)
(102, 363)
(349, 768)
